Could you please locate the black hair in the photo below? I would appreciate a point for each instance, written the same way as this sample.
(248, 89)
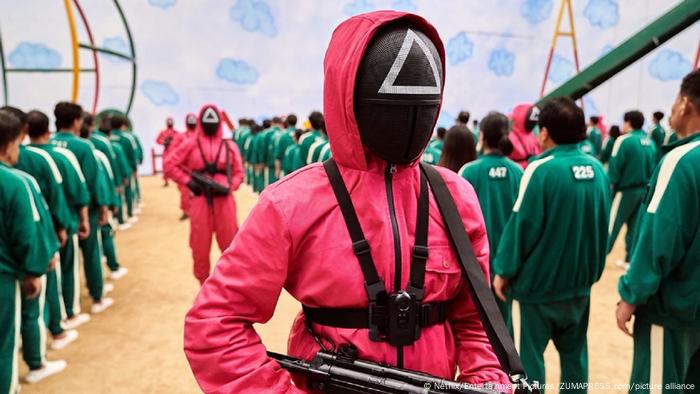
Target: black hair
(256, 128)
(463, 117)
(635, 119)
(291, 120)
(564, 121)
(690, 88)
(105, 125)
(594, 119)
(66, 114)
(494, 129)
(316, 120)
(242, 122)
(614, 131)
(10, 128)
(37, 124)
(441, 131)
(117, 121)
(21, 115)
(86, 128)
(297, 134)
(658, 115)
(459, 148)
(276, 119)
(266, 124)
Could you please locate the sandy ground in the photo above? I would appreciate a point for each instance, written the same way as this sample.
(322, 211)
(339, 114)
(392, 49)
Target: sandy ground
(136, 346)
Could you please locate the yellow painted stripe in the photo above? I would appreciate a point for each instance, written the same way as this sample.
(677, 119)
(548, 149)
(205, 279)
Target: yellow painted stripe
(656, 357)
(75, 49)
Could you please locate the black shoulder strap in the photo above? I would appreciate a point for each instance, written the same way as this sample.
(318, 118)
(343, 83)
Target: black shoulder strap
(373, 284)
(491, 318)
(420, 247)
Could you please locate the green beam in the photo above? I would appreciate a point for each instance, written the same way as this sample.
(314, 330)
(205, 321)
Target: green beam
(106, 51)
(4, 72)
(644, 41)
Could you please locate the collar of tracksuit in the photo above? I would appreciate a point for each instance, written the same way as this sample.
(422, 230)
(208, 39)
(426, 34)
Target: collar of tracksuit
(690, 138)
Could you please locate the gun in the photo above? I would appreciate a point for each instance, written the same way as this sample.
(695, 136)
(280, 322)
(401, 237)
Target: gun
(209, 187)
(343, 373)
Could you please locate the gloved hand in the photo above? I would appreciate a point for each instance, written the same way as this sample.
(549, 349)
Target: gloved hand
(195, 187)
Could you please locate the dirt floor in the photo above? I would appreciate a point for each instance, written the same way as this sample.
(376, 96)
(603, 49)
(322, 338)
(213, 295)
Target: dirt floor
(136, 346)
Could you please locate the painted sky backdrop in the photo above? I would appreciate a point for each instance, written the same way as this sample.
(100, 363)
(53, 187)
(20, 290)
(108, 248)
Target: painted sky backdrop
(257, 58)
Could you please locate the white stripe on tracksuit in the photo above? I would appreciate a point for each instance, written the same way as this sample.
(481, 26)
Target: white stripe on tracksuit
(656, 359)
(14, 384)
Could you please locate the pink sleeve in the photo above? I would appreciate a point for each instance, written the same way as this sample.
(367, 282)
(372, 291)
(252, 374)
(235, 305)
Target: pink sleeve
(223, 349)
(175, 160)
(237, 163)
(161, 138)
(476, 360)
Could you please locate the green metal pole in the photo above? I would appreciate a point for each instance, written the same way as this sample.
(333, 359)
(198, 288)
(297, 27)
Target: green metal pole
(656, 33)
(4, 73)
(133, 56)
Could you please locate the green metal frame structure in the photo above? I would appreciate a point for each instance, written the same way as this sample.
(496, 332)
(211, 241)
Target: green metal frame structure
(644, 41)
(131, 57)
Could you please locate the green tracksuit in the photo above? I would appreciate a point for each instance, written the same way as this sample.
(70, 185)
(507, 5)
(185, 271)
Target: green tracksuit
(658, 135)
(106, 231)
(282, 143)
(122, 174)
(129, 147)
(664, 273)
(437, 144)
(632, 162)
(607, 150)
(44, 169)
(553, 250)
(594, 136)
(139, 161)
(588, 148)
(246, 143)
(33, 327)
(431, 155)
(270, 155)
(22, 252)
(77, 196)
(305, 142)
(316, 149)
(495, 179)
(258, 155)
(292, 159)
(95, 179)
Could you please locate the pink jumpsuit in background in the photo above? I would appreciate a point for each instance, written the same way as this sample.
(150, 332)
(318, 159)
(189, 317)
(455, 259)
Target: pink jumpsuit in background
(525, 143)
(205, 220)
(166, 137)
(295, 238)
(182, 188)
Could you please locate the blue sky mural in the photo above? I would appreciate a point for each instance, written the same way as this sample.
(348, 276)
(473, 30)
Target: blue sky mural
(164, 4)
(236, 71)
(669, 65)
(159, 93)
(254, 16)
(536, 11)
(117, 44)
(34, 55)
(459, 48)
(502, 62)
(602, 13)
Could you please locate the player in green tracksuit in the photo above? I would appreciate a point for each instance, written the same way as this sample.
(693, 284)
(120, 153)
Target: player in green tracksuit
(24, 253)
(310, 137)
(553, 247)
(246, 142)
(114, 174)
(316, 148)
(119, 135)
(431, 155)
(69, 121)
(661, 286)
(631, 164)
(588, 148)
(594, 136)
(438, 142)
(495, 179)
(613, 134)
(44, 169)
(77, 198)
(138, 151)
(283, 142)
(258, 150)
(270, 151)
(657, 132)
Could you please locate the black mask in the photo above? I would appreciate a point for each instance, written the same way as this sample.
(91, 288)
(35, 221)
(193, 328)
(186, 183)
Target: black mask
(210, 120)
(397, 93)
(191, 122)
(532, 117)
(169, 123)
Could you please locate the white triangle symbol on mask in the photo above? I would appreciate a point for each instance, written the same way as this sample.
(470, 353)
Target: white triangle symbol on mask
(388, 86)
(210, 116)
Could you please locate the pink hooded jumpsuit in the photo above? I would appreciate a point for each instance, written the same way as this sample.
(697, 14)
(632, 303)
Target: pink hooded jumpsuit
(182, 188)
(525, 143)
(295, 238)
(205, 220)
(162, 138)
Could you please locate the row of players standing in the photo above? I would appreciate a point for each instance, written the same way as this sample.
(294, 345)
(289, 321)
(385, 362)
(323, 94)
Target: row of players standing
(62, 193)
(549, 232)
